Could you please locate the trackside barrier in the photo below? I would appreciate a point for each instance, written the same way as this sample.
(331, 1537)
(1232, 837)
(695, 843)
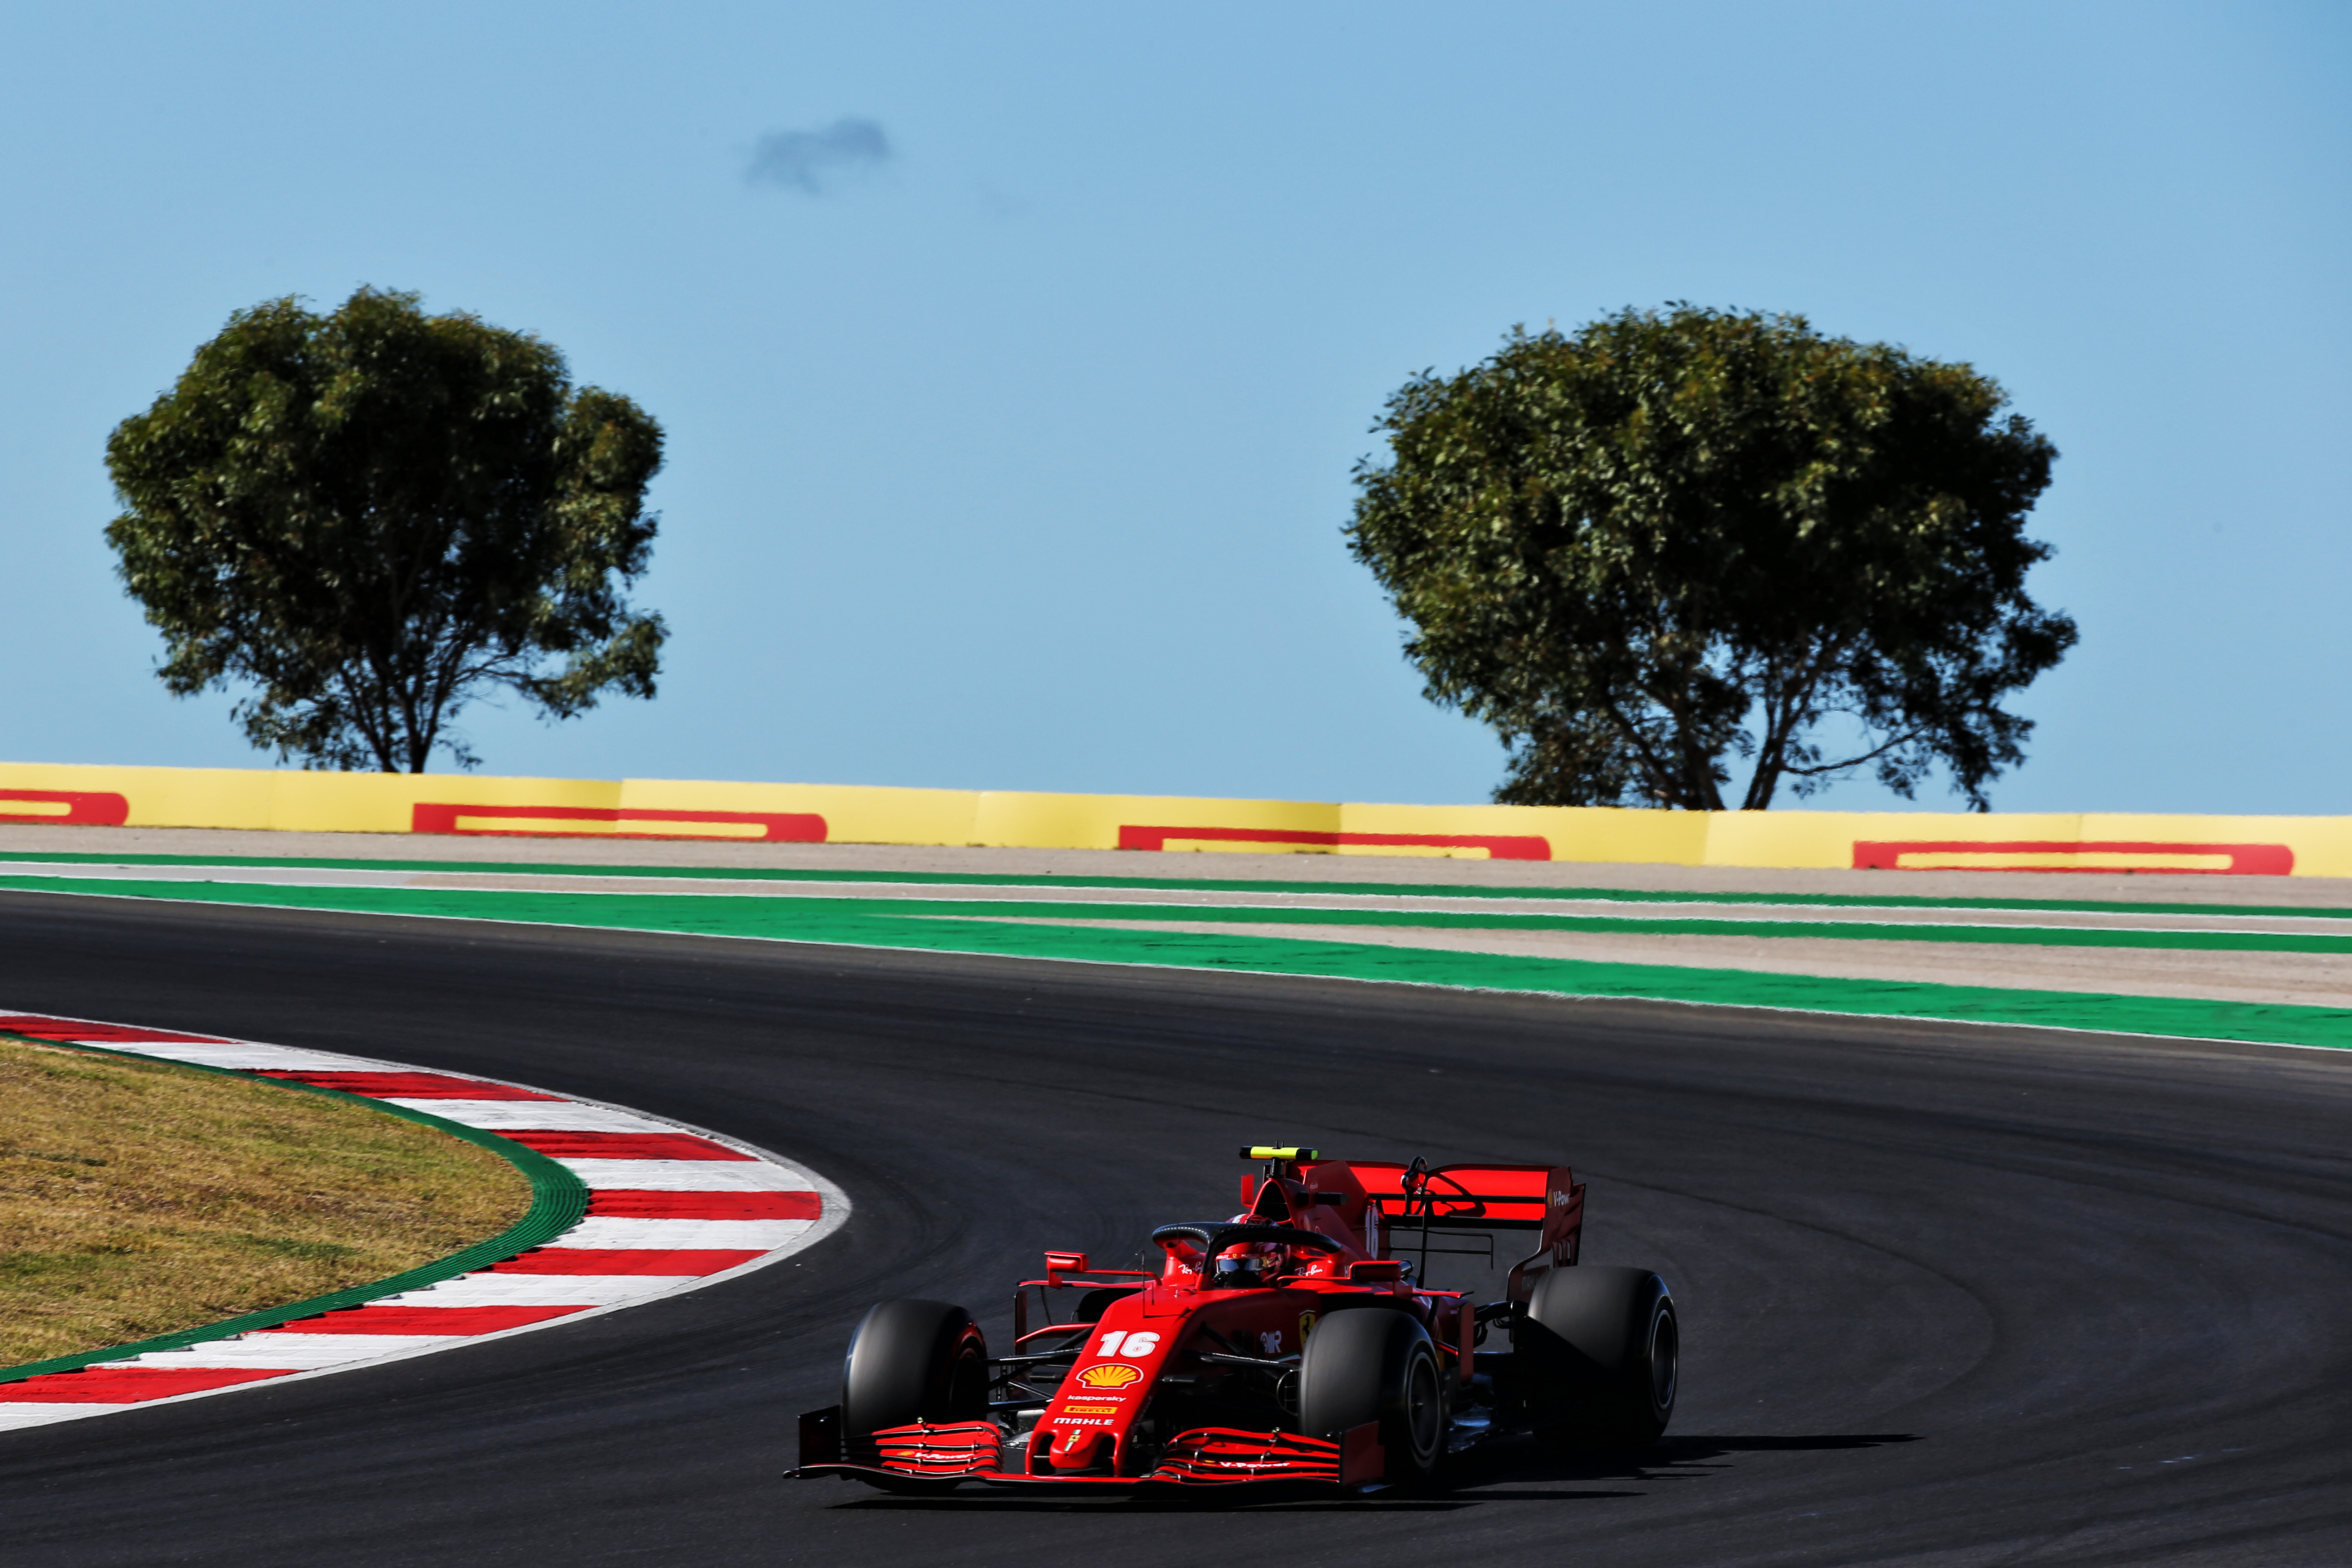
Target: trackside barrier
(466, 806)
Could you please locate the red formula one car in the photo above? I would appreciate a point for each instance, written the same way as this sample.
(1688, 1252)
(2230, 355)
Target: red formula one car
(1299, 1340)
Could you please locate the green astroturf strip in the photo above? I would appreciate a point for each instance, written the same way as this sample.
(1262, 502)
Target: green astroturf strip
(1189, 884)
(1841, 931)
(871, 923)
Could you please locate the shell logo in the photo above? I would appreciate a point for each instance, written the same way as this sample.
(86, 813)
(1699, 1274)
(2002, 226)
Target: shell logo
(1110, 1374)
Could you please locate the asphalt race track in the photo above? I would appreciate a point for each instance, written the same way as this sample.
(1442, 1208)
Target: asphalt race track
(1949, 1294)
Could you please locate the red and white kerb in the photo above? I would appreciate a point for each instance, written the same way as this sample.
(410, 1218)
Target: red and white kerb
(670, 1208)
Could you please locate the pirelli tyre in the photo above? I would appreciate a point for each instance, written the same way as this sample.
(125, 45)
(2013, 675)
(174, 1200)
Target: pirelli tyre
(1604, 1349)
(1373, 1365)
(911, 1360)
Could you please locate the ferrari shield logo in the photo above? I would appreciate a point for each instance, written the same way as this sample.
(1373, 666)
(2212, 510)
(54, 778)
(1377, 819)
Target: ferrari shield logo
(1305, 1326)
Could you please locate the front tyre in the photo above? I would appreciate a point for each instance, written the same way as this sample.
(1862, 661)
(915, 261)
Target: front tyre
(1372, 1365)
(912, 1360)
(1605, 1351)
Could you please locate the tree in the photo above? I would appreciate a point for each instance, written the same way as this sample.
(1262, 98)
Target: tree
(1681, 536)
(374, 516)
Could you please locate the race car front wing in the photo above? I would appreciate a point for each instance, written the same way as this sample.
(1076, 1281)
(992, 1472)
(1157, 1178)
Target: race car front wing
(974, 1451)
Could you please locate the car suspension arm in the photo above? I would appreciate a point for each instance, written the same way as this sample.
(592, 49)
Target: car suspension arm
(1287, 1363)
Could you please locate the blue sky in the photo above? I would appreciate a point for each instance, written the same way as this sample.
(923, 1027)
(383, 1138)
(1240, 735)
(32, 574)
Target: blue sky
(1014, 358)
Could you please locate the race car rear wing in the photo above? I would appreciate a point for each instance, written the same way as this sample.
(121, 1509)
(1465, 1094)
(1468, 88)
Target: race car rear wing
(1416, 1200)
(1491, 1197)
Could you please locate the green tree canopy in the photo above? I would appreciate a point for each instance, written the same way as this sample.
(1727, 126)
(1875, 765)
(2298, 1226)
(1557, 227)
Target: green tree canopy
(372, 516)
(1682, 536)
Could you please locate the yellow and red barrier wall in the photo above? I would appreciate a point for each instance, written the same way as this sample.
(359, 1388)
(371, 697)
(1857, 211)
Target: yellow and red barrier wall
(465, 805)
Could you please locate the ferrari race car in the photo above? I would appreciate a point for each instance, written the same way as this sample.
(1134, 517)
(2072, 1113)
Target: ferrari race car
(1300, 1341)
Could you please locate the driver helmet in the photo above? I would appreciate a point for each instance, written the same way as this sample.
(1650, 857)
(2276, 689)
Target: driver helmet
(1251, 1262)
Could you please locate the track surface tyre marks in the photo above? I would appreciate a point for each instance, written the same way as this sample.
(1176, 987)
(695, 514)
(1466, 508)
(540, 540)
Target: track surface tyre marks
(1946, 1295)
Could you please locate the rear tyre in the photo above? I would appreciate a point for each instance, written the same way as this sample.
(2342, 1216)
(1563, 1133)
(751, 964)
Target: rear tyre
(1372, 1365)
(1604, 1349)
(912, 1360)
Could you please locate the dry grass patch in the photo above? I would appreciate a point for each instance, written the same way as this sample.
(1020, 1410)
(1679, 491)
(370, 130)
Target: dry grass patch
(139, 1198)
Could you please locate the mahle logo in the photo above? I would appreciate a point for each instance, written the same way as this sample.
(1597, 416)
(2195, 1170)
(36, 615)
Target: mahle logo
(1110, 1374)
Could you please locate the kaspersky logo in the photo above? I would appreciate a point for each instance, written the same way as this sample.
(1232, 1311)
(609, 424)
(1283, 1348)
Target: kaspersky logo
(1110, 1374)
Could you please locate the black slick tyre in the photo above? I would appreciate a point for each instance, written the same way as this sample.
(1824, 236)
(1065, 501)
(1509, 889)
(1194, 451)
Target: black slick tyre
(1372, 1364)
(1604, 1349)
(912, 1360)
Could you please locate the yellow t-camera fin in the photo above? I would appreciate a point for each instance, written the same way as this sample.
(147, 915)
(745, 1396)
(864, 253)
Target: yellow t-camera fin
(1269, 1151)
